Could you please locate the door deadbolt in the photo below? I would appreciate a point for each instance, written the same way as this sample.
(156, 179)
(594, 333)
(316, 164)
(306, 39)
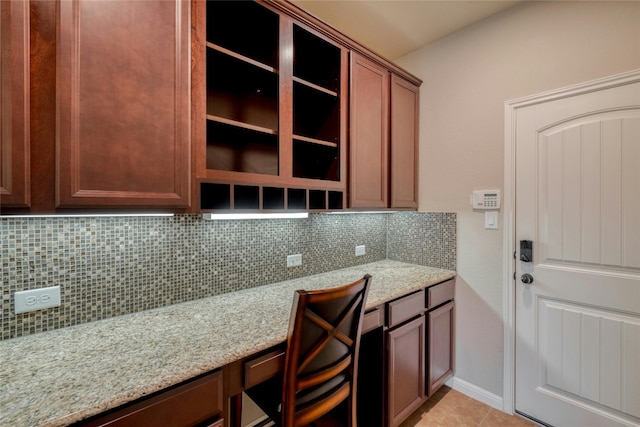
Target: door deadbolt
(527, 279)
(526, 251)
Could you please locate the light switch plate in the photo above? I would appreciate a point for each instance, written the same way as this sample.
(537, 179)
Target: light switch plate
(491, 220)
(360, 250)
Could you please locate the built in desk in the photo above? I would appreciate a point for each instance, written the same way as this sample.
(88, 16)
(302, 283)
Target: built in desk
(72, 374)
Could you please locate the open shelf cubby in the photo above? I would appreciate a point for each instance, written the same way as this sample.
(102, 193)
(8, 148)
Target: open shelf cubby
(316, 114)
(246, 28)
(240, 91)
(246, 197)
(315, 161)
(317, 199)
(273, 198)
(222, 196)
(335, 200)
(215, 196)
(316, 60)
(297, 198)
(238, 149)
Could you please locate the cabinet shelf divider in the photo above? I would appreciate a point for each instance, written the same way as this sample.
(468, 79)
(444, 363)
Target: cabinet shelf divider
(242, 57)
(315, 141)
(242, 125)
(314, 86)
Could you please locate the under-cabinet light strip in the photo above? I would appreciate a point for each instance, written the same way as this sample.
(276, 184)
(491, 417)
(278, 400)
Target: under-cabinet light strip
(360, 212)
(283, 215)
(81, 215)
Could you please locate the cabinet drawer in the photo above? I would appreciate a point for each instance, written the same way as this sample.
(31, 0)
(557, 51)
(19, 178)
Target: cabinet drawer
(440, 293)
(372, 320)
(196, 402)
(262, 368)
(405, 308)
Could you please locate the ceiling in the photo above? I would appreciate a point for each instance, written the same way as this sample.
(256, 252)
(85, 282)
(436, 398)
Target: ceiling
(393, 28)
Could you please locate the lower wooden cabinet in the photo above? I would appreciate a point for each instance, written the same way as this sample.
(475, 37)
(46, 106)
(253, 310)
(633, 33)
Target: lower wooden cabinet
(419, 349)
(197, 402)
(405, 370)
(406, 355)
(440, 354)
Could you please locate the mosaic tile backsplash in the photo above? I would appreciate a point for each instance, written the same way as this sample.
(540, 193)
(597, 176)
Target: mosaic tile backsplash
(110, 266)
(423, 238)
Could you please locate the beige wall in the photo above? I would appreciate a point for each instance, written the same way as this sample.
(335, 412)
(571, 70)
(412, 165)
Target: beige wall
(468, 76)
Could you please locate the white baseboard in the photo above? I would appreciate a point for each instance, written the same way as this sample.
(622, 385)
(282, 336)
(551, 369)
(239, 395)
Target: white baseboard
(476, 392)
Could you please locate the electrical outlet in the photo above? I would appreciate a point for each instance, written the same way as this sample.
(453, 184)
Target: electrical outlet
(294, 260)
(37, 299)
(360, 250)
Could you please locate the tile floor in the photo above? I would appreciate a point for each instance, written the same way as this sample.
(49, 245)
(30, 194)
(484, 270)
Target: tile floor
(450, 408)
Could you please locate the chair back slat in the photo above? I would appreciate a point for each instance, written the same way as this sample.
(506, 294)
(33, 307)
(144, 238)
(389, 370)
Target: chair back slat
(308, 414)
(324, 375)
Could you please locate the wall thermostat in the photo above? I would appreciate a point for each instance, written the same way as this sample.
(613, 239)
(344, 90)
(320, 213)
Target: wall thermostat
(486, 199)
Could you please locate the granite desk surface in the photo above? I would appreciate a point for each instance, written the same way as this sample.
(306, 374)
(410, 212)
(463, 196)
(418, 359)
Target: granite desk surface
(62, 376)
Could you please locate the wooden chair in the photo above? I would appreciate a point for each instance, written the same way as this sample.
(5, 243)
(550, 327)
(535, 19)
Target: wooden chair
(321, 360)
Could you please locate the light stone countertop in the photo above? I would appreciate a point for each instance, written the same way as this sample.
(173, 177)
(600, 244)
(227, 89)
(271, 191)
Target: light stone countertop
(59, 377)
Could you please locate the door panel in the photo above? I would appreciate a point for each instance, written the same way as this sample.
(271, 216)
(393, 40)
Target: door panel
(588, 359)
(578, 198)
(404, 143)
(369, 147)
(579, 221)
(15, 184)
(123, 107)
(406, 370)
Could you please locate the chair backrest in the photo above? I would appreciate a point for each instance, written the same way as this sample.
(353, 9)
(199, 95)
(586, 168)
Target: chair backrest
(323, 343)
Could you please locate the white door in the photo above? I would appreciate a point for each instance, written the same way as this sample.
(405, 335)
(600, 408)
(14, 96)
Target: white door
(577, 158)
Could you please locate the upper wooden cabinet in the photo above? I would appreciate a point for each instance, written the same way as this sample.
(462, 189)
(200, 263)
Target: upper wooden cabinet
(270, 110)
(383, 137)
(122, 101)
(14, 104)
(404, 143)
(95, 105)
(180, 105)
(369, 134)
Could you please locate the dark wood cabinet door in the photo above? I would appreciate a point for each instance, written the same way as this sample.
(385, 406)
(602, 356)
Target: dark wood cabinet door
(405, 370)
(441, 346)
(14, 104)
(122, 102)
(369, 136)
(404, 143)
